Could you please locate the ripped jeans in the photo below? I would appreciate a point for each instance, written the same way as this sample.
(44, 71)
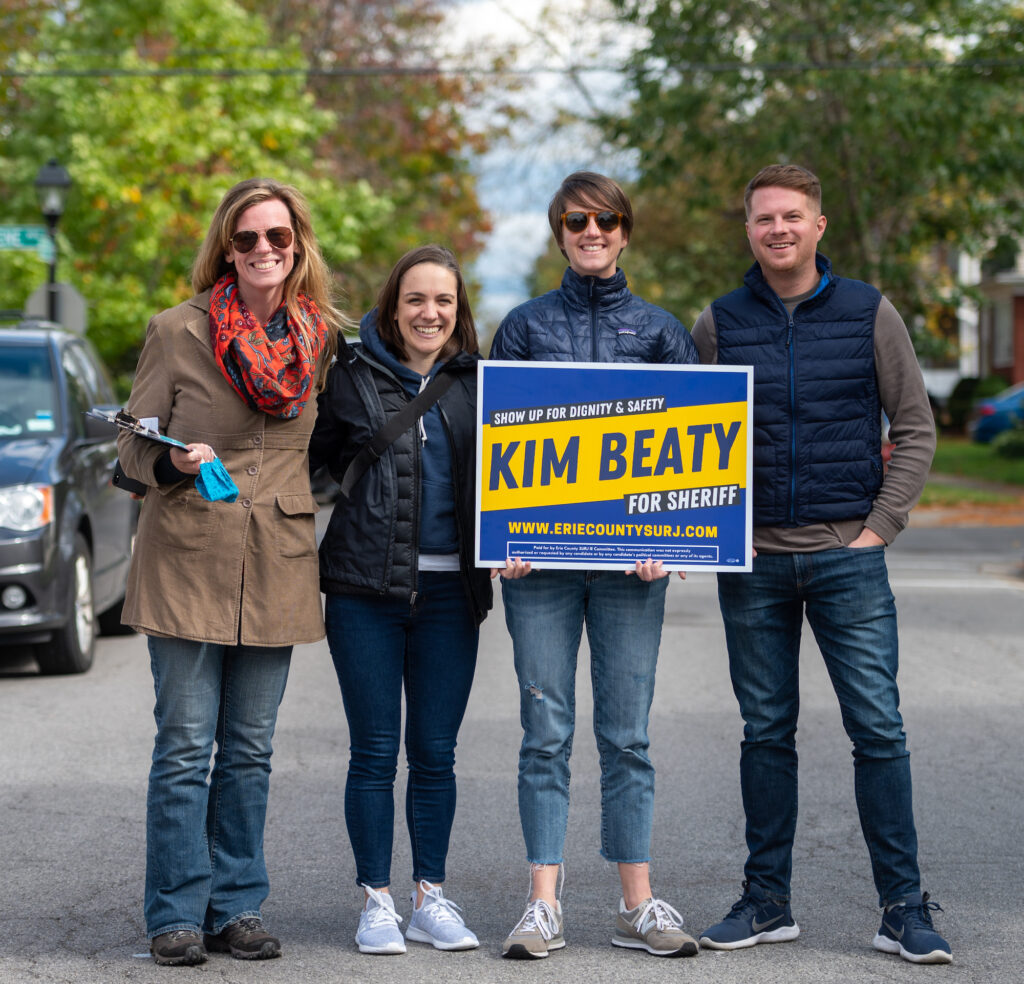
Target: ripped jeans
(545, 613)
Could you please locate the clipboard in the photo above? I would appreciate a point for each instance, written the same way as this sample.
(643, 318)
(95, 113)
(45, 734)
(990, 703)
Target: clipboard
(128, 422)
(213, 481)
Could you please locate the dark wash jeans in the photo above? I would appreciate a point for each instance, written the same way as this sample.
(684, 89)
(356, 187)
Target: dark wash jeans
(849, 605)
(378, 646)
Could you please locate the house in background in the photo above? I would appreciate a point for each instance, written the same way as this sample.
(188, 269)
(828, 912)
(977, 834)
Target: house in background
(1000, 316)
(952, 328)
(984, 334)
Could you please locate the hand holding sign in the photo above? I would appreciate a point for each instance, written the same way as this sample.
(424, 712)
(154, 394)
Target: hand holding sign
(634, 461)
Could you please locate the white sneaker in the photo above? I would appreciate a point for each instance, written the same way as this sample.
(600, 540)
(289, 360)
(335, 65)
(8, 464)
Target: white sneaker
(378, 925)
(437, 921)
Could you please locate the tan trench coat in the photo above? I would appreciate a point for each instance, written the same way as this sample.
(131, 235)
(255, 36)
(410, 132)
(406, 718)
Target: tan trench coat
(244, 571)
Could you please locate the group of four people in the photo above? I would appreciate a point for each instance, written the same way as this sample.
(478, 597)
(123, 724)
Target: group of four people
(246, 371)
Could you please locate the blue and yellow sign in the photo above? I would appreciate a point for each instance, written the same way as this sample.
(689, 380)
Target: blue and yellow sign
(587, 466)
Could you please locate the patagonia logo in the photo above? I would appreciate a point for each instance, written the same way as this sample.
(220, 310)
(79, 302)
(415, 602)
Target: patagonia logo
(626, 331)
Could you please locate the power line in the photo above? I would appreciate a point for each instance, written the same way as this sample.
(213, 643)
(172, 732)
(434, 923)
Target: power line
(993, 35)
(368, 70)
(685, 68)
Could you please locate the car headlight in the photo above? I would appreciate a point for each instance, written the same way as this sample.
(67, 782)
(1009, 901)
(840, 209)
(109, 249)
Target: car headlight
(26, 507)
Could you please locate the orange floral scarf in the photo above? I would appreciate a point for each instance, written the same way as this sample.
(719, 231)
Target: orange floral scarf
(271, 367)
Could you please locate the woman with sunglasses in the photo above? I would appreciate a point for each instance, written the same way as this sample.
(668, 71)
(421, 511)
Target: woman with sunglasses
(591, 317)
(223, 589)
(403, 597)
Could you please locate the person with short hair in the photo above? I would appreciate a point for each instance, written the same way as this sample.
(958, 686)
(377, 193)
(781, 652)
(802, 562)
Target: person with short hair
(829, 355)
(224, 589)
(591, 317)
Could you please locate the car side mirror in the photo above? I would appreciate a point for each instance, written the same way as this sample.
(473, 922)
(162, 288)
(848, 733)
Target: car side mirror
(100, 430)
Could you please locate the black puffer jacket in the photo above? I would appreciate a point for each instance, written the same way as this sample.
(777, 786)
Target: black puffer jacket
(371, 545)
(592, 320)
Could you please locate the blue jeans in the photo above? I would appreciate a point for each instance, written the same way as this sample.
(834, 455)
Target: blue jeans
(851, 611)
(378, 645)
(545, 613)
(204, 839)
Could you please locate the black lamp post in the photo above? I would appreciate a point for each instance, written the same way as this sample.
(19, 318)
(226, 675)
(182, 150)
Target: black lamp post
(52, 184)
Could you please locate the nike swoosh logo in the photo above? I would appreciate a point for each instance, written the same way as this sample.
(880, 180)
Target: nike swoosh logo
(758, 926)
(896, 935)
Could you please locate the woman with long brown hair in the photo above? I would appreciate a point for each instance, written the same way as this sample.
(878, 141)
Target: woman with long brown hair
(224, 589)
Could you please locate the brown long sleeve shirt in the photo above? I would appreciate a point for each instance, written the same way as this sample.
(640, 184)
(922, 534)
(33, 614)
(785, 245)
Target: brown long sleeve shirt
(911, 429)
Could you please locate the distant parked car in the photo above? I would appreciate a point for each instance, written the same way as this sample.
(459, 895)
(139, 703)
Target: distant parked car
(995, 414)
(65, 532)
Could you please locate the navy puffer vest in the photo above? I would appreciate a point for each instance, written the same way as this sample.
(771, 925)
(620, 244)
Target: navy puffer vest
(817, 434)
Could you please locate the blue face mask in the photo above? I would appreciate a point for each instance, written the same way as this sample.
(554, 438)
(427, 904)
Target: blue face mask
(214, 483)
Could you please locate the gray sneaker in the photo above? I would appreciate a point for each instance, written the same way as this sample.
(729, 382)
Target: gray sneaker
(653, 926)
(437, 921)
(538, 932)
(378, 924)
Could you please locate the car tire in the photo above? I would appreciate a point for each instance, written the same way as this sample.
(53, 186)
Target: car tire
(109, 622)
(72, 648)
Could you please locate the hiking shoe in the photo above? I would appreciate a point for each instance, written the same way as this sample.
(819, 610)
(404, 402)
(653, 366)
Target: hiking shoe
(244, 939)
(180, 946)
(378, 925)
(538, 932)
(907, 930)
(653, 926)
(437, 921)
(752, 920)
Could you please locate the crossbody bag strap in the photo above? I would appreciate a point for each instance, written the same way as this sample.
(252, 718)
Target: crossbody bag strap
(395, 425)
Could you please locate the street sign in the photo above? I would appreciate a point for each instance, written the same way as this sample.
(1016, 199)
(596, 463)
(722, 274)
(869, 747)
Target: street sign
(27, 237)
(22, 236)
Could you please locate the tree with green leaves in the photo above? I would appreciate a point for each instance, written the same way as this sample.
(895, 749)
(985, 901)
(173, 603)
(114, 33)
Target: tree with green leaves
(401, 122)
(145, 105)
(912, 115)
(156, 107)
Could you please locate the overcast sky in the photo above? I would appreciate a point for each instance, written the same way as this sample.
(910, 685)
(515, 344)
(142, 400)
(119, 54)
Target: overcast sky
(516, 180)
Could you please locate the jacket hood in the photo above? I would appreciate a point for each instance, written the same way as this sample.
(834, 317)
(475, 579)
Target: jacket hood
(375, 346)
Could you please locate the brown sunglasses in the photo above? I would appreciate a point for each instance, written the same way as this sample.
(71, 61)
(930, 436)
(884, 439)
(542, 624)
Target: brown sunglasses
(280, 237)
(607, 221)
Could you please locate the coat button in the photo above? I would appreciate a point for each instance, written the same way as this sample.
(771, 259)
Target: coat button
(252, 470)
(247, 503)
(258, 440)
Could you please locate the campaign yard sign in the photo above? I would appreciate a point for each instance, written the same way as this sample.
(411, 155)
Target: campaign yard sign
(584, 465)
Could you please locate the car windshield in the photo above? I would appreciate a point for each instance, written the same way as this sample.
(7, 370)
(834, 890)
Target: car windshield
(29, 404)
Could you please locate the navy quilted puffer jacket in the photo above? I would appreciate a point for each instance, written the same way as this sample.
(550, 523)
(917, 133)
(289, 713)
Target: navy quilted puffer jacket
(817, 439)
(592, 320)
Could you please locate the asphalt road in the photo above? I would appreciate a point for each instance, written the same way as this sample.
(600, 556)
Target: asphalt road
(74, 756)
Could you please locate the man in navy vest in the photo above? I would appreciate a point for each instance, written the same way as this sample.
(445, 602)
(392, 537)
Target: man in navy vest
(829, 355)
